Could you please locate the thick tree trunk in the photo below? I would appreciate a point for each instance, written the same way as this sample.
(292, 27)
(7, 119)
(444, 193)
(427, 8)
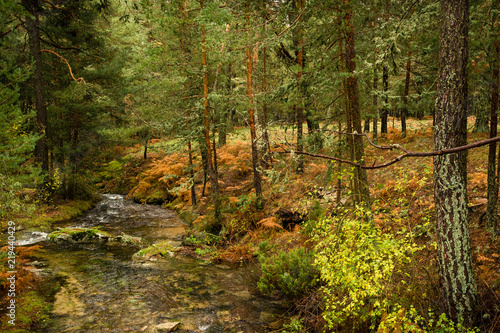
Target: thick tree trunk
(481, 124)
(491, 208)
(384, 112)
(41, 148)
(450, 178)
(253, 133)
(350, 138)
(361, 178)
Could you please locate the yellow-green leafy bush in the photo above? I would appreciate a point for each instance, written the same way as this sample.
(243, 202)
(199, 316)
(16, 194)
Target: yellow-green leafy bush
(357, 265)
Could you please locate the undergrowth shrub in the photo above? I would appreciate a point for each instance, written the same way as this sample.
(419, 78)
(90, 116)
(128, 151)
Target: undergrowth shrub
(357, 264)
(290, 273)
(411, 321)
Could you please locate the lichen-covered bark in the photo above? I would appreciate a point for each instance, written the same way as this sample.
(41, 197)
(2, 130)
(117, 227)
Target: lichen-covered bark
(450, 181)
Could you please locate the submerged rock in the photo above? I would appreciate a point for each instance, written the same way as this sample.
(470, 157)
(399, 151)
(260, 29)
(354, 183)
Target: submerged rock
(164, 249)
(165, 327)
(130, 240)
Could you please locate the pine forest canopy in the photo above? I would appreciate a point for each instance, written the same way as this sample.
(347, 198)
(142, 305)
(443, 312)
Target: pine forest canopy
(79, 77)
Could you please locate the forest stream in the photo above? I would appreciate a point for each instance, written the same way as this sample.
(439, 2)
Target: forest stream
(105, 289)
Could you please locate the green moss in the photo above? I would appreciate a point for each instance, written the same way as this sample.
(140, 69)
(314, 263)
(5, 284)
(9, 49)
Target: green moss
(130, 240)
(78, 235)
(48, 216)
(164, 249)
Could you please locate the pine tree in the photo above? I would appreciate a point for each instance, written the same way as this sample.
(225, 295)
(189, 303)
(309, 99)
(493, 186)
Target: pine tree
(450, 171)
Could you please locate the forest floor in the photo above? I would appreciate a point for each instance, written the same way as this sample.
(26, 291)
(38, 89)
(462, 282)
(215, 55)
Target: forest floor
(402, 200)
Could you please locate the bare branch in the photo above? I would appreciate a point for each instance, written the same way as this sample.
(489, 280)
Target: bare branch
(67, 63)
(400, 157)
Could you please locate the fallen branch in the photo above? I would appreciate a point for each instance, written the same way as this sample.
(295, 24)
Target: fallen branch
(400, 157)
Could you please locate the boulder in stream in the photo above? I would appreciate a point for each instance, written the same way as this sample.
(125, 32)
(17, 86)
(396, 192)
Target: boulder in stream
(85, 235)
(130, 240)
(163, 249)
(78, 235)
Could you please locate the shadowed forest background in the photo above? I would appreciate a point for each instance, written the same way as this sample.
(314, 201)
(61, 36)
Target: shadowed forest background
(342, 145)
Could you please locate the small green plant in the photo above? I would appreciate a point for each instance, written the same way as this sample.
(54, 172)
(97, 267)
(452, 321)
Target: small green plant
(245, 202)
(291, 273)
(296, 325)
(412, 321)
(209, 251)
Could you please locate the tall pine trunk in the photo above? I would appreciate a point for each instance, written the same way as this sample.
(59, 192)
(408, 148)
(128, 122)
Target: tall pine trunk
(267, 143)
(251, 114)
(361, 178)
(206, 121)
(183, 9)
(300, 108)
(41, 148)
(384, 112)
(491, 208)
(450, 171)
(375, 85)
(375, 105)
(404, 111)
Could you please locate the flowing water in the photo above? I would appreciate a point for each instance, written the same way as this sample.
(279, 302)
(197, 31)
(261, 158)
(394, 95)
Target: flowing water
(105, 290)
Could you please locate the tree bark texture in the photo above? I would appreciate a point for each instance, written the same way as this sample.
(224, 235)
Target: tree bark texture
(450, 179)
(361, 178)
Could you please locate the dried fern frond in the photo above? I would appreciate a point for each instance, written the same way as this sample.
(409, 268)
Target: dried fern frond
(270, 223)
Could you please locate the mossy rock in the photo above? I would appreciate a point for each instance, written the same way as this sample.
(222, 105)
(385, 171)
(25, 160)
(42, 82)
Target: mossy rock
(163, 249)
(78, 235)
(130, 240)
